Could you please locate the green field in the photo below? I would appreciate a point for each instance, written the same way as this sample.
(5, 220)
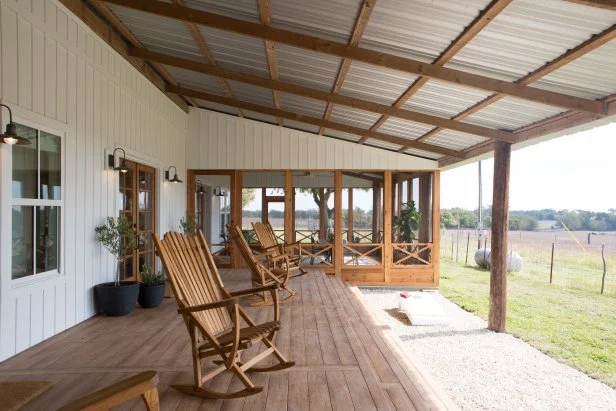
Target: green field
(574, 326)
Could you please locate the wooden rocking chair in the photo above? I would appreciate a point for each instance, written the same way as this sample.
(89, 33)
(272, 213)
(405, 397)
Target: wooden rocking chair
(260, 274)
(213, 316)
(269, 242)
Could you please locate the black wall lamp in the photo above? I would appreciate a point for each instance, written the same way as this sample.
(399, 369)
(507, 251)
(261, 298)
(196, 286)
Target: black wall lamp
(200, 188)
(175, 178)
(219, 192)
(112, 164)
(10, 135)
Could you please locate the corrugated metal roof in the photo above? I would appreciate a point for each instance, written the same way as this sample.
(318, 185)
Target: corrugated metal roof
(260, 117)
(341, 135)
(510, 113)
(196, 81)
(591, 76)
(404, 128)
(382, 144)
(527, 34)
(158, 33)
(301, 126)
(375, 84)
(251, 94)
(329, 19)
(237, 52)
(217, 107)
(444, 99)
(455, 140)
(421, 30)
(306, 68)
(303, 105)
(240, 9)
(422, 153)
(354, 117)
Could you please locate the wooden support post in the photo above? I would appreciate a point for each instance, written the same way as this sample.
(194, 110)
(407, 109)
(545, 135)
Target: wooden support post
(436, 225)
(288, 206)
(338, 251)
(322, 214)
(409, 190)
(294, 234)
(264, 205)
(236, 213)
(191, 188)
(350, 217)
(500, 237)
(387, 217)
(425, 208)
(376, 212)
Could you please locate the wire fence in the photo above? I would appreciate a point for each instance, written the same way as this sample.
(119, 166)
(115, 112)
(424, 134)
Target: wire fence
(578, 260)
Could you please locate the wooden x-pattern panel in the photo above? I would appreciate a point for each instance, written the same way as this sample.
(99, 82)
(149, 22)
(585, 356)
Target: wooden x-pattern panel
(412, 253)
(363, 254)
(316, 253)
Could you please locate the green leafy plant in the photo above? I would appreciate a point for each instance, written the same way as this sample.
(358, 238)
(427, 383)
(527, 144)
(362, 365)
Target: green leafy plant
(150, 277)
(119, 238)
(188, 223)
(407, 223)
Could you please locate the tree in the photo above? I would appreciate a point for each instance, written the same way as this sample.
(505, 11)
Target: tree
(316, 197)
(248, 196)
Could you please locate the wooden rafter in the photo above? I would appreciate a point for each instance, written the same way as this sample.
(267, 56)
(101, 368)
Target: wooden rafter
(128, 35)
(321, 95)
(360, 26)
(482, 20)
(270, 49)
(309, 120)
(115, 40)
(603, 4)
(550, 125)
(207, 54)
(589, 45)
(364, 55)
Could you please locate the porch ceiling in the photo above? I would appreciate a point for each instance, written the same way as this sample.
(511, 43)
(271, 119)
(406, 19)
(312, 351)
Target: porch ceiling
(377, 73)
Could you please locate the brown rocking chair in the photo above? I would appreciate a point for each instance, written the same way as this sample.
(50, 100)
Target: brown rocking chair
(268, 240)
(213, 316)
(261, 275)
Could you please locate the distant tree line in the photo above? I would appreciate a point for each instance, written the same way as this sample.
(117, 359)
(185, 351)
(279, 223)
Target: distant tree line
(528, 220)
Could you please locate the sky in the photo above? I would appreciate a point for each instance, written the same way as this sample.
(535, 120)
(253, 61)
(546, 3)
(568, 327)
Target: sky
(572, 172)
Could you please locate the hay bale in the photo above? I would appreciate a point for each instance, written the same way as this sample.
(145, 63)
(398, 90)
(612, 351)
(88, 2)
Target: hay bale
(482, 257)
(514, 260)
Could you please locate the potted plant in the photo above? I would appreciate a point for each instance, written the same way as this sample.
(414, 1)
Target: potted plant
(407, 223)
(188, 223)
(151, 287)
(118, 237)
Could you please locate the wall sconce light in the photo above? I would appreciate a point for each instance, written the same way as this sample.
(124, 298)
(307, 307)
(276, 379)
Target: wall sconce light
(10, 135)
(200, 189)
(219, 192)
(111, 161)
(175, 178)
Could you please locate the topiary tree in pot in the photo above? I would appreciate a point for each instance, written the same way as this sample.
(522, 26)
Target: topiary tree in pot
(118, 237)
(151, 287)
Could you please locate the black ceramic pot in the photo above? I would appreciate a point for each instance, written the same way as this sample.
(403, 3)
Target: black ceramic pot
(116, 300)
(151, 296)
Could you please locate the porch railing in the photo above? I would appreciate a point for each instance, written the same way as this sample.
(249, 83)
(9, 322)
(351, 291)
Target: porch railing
(316, 254)
(410, 254)
(363, 253)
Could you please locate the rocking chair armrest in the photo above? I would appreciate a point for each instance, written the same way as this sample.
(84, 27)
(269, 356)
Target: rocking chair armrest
(279, 257)
(256, 290)
(266, 254)
(210, 306)
(272, 247)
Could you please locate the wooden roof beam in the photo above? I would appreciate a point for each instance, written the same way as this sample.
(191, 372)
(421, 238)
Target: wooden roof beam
(603, 4)
(361, 22)
(270, 49)
(481, 21)
(589, 45)
(321, 95)
(310, 120)
(364, 55)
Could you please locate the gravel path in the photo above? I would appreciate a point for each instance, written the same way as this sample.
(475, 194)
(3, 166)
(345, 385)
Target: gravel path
(480, 369)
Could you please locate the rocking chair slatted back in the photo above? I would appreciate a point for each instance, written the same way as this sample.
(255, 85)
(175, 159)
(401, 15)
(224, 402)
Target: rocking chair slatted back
(256, 271)
(267, 237)
(194, 278)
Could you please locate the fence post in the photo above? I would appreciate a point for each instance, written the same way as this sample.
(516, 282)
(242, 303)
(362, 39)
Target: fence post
(604, 267)
(589, 238)
(452, 240)
(468, 240)
(552, 263)
(457, 244)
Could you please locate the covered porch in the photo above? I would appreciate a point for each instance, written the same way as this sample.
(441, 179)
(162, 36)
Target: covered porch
(344, 358)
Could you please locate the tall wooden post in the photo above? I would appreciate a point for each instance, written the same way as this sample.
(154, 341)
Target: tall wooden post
(500, 237)
(376, 211)
(387, 217)
(350, 217)
(436, 225)
(425, 208)
(288, 206)
(264, 204)
(338, 251)
(236, 213)
(322, 214)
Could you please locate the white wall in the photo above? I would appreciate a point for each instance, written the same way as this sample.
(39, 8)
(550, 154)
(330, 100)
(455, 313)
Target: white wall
(221, 141)
(58, 75)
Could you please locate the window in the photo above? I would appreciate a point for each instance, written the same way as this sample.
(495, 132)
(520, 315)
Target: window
(36, 204)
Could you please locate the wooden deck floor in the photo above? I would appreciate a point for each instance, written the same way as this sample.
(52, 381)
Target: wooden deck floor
(344, 358)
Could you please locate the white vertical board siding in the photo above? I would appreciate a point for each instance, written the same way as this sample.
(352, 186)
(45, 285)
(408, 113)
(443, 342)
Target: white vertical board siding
(56, 74)
(220, 141)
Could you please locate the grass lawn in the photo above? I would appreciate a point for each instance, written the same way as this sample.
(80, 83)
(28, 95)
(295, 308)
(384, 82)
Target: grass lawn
(574, 326)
